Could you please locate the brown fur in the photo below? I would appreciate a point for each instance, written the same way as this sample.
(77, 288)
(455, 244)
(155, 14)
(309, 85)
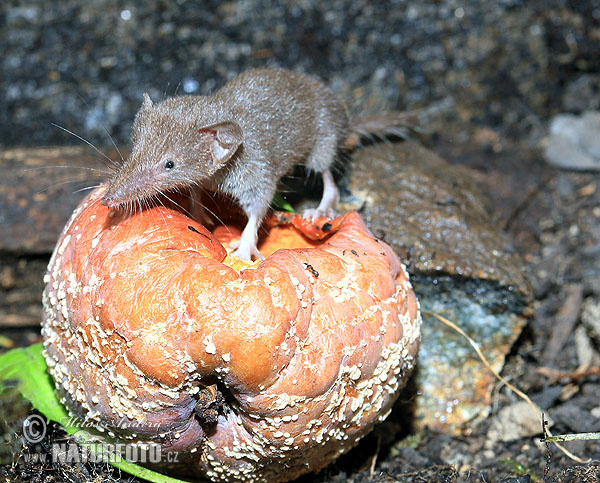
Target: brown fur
(285, 117)
(241, 141)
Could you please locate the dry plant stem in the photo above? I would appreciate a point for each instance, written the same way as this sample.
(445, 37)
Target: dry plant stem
(577, 376)
(520, 393)
(374, 459)
(572, 437)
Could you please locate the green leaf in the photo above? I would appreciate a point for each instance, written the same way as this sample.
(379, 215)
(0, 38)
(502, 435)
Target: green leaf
(131, 468)
(516, 466)
(280, 204)
(26, 368)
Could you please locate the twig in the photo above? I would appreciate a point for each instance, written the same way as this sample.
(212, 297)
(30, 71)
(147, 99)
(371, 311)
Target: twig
(572, 437)
(548, 449)
(579, 375)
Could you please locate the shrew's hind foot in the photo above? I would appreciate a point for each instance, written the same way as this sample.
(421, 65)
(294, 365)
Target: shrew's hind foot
(328, 202)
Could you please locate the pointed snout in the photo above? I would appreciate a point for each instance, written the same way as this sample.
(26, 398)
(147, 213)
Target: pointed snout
(107, 201)
(112, 198)
(121, 192)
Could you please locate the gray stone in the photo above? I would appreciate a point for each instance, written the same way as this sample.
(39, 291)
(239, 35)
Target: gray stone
(573, 142)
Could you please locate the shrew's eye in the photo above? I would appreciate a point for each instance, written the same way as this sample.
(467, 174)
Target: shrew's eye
(169, 164)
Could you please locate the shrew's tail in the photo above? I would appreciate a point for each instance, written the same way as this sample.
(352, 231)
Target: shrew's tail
(383, 125)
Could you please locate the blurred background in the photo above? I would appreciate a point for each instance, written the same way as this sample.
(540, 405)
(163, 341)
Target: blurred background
(485, 71)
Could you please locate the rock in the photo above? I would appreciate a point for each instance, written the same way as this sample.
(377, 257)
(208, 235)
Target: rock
(574, 142)
(590, 317)
(587, 355)
(516, 479)
(571, 417)
(514, 422)
(547, 397)
(461, 267)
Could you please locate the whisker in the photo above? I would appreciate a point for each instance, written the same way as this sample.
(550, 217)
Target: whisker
(209, 210)
(177, 204)
(70, 167)
(161, 213)
(104, 128)
(61, 183)
(85, 141)
(87, 188)
(112, 166)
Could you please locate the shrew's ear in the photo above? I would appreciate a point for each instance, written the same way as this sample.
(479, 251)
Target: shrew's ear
(226, 138)
(147, 104)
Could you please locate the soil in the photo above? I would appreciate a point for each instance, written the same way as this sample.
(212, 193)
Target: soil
(490, 75)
